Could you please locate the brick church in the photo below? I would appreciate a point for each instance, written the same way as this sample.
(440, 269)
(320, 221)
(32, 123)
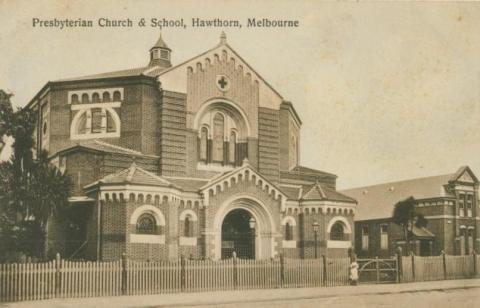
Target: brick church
(199, 159)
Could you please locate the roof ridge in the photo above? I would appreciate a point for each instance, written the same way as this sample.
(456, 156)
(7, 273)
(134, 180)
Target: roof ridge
(399, 181)
(154, 175)
(117, 147)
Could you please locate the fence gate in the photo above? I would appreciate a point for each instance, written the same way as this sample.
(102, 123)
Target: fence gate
(378, 270)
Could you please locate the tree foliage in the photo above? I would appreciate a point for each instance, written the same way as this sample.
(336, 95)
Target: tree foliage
(404, 215)
(31, 190)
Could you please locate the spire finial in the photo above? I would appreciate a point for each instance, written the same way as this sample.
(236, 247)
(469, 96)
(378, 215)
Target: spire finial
(223, 38)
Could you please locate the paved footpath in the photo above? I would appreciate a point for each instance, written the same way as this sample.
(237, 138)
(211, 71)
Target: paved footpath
(250, 296)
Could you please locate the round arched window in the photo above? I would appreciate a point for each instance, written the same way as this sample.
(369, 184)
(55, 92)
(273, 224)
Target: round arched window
(337, 232)
(146, 224)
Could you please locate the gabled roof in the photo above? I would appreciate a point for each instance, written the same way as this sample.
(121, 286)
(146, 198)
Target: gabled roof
(377, 201)
(101, 146)
(133, 175)
(219, 179)
(315, 192)
(460, 175)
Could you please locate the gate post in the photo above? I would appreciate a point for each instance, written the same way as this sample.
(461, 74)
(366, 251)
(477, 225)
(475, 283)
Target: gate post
(474, 255)
(444, 259)
(282, 270)
(413, 265)
(377, 268)
(235, 277)
(124, 274)
(182, 273)
(399, 264)
(324, 259)
(58, 275)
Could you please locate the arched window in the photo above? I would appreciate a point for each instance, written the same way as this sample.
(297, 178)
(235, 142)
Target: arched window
(337, 232)
(95, 98)
(231, 147)
(75, 99)
(116, 96)
(288, 232)
(106, 97)
(187, 227)
(146, 224)
(218, 130)
(85, 98)
(203, 143)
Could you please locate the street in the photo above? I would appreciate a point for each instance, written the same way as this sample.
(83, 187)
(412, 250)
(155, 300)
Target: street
(437, 294)
(446, 298)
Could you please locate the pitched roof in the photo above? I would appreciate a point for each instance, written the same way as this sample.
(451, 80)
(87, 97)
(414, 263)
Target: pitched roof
(305, 170)
(377, 201)
(422, 232)
(316, 192)
(133, 175)
(102, 146)
(160, 43)
(122, 73)
(188, 184)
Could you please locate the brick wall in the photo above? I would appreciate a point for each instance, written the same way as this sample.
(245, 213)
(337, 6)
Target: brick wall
(173, 145)
(268, 144)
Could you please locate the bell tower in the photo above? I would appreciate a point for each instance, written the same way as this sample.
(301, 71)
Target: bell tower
(160, 54)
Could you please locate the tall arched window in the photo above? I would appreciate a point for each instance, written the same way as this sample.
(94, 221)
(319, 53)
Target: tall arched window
(203, 143)
(337, 232)
(187, 227)
(146, 224)
(218, 130)
(231, 147)
(288, 232)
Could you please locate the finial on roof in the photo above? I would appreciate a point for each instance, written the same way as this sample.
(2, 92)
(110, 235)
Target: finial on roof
(223, 38)
(245, 162)
(160, 43)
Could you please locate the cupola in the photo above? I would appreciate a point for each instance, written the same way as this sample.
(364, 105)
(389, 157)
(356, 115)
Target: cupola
(160, 54)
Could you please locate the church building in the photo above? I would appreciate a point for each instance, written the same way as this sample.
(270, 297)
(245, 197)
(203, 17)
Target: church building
(199, 159)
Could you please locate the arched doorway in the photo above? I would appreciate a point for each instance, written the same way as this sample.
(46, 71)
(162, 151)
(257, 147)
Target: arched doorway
(238, 234)
(262, 238)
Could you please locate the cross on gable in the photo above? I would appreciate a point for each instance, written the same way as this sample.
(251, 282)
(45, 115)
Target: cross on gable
(223, 82)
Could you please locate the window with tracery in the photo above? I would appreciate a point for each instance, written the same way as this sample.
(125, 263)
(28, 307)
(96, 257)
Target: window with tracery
(337, 232)
(146, 224)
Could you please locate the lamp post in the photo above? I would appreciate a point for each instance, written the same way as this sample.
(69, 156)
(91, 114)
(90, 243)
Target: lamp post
(315, 232)
(252, 222)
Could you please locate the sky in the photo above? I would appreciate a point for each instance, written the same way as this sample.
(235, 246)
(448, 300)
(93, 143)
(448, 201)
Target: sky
(386, 91)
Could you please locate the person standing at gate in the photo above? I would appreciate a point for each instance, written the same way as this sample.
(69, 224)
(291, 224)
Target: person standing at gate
(353, 270)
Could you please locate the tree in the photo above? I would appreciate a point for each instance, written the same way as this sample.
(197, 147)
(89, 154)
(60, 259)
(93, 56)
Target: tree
(404, 215)
(32, 190)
